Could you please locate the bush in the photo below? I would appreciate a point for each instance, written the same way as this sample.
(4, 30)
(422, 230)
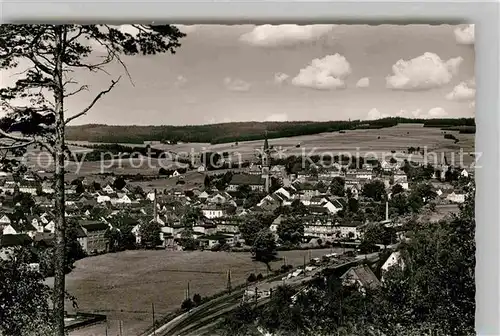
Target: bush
(197, 300)
(187, 304)
(252, 278)
(260, 277)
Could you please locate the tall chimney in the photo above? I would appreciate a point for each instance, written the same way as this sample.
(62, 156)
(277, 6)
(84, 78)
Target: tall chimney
(386, 210)
(155, 207)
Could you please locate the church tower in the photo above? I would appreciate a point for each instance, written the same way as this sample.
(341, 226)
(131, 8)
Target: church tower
(265, 165)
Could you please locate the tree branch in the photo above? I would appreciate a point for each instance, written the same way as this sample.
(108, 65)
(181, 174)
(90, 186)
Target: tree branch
(10, 147)
(99, 96)
(14, 137)
(82, 88)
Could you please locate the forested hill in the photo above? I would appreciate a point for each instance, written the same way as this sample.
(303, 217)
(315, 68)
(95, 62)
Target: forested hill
(243, 131)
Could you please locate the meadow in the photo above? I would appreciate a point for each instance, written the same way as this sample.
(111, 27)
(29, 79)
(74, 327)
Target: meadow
(367, 143)
(124, 285)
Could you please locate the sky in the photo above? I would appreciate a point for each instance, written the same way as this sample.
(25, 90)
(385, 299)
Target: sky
(290, 72)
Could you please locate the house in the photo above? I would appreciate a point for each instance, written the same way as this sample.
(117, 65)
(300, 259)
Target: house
(218, 198)
(394, 259)
(4, 220)
(456, 197)
(108, 189)
(176, 173)
(205, 227)
(20, 228)
(323, 228)
(28, 187)
(228, 225)
(103, 198)
(210, 241)
(96, 241)
(201, 169)
(213, 211)
(464, 173)
(362, 276)
(122, 198)
(203, 196)
(401, 179)
(254, 169)
(255, 182)
(349, 230)
(47, 187)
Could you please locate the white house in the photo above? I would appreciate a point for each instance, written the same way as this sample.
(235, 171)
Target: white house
(4, 220)
(176, 173)
(123, 199)
(456, 198)
(103, 198)
(213, 211)
(201, 169)
(464, 173)
(394, 259)
(108, 189)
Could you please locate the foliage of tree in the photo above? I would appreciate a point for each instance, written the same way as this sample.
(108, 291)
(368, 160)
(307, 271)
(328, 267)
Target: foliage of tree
(34, 107)
(197, 299)
(187, 240)
(264, 248)
(352, 205)
(374, 190)
(252, 225)
(337, 186)
(24, 298)
(379, 234)
(187, 304)
(397, 189)
(150, 234)
(119, 183)
(291, 230)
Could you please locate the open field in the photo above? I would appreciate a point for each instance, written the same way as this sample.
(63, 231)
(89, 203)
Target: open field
(124, 285)
(365, 143)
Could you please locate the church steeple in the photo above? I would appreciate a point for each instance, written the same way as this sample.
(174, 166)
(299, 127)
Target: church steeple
(266, 144)
(265, 164)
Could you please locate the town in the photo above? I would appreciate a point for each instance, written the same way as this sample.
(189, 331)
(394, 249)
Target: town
(333, 204)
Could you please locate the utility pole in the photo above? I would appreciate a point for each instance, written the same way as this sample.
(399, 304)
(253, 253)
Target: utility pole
(304, 264)
(121, 334)
(153, 310)
(188, 295)
(229, 281)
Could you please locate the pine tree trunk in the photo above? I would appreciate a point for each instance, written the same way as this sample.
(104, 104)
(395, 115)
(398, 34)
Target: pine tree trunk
(60, 222)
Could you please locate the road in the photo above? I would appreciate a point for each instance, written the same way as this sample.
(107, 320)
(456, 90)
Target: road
(202, 319)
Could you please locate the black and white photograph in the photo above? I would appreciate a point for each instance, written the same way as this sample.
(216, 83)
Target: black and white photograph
(237, 179)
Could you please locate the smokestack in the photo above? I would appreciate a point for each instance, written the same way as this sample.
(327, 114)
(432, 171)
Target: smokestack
(386, 210)
(155, 207)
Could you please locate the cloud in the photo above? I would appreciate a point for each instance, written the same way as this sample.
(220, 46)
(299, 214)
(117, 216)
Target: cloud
(463, 91)
(437, 112)
(236, 84)
(363, 82)
(284, 35)
(375, 114)
(423, 72)
(186, 29)
(325, 73)
(465, 34)
(280, 77)
(180, 81)
(277, 117)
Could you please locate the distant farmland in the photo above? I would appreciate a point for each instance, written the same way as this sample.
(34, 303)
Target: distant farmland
(373, 142)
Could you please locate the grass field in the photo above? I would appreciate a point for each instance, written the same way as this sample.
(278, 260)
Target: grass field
(379, 143)
(124, 285)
